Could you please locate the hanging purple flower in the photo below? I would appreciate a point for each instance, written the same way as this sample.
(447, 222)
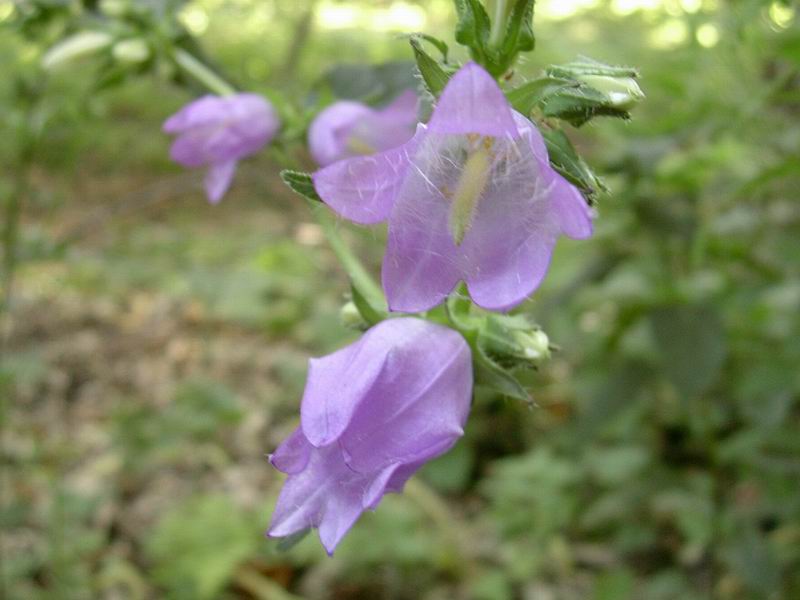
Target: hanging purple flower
(372, 414)
(217, 132)
(347, 128)
(472, 197)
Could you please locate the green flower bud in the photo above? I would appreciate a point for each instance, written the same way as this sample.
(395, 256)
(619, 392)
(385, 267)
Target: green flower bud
(133, 50)
(351, 318)
(623, 92)
(534, 344)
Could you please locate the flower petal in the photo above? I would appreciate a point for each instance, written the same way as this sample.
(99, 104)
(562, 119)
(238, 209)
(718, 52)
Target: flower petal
(326, 494)
(218, 180)
(336, 385)
(293, 454)
(574, 214)
(199, 113)
(472, 102)
(421, 267)
(508, 249)
(418, 407)
(327, 136)
(363, 189)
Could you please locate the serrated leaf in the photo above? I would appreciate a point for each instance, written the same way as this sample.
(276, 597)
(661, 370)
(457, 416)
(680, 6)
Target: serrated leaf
(566, 161)
(490, 374)
(579, 104)
(526, 96)
(519, 35)
(433, 75)
(588, 66)
(300, 183)
(472, 28)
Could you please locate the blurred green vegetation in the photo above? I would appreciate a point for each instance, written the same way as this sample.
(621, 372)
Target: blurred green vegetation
(158, 346)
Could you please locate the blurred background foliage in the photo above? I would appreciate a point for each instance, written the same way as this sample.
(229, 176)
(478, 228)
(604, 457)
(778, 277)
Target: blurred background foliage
(158, 345)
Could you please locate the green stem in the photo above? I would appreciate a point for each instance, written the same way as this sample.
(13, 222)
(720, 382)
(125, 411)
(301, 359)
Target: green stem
(203, 74)
(499, 18)
(361, 279)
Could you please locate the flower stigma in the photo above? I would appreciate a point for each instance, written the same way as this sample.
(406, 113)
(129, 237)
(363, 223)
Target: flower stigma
(471, 185)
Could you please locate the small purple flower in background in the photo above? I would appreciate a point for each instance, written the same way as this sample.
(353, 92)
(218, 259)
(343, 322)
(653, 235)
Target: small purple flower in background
(346, 129)
(372, 414)
(472, 197)
(217, 132)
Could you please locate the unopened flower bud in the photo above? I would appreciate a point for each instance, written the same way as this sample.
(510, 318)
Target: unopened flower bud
(535, 344)
(350, 317)
(623, 92)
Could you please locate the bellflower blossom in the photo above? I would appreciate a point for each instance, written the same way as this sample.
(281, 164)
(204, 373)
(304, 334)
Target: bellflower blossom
(217, 132)
(346, 128)
(472, 197)
(372, 414)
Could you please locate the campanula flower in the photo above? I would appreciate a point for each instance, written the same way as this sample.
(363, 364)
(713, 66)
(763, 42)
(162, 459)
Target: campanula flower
(218, 131)
(347, 128)
(372, 414)
(471, 197)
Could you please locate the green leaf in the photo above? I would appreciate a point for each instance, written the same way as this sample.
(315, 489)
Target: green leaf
(692, 344)
(519, 35)
(566, 161)
(433, 75)
(532, 93)
(301, 183)
(473, 27)
(490, 374)
(579, 104)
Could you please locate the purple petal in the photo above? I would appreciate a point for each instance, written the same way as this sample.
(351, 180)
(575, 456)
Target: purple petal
(388, 128)
(528, 130)
(472, 102)
(292, 455)
(218, 180)
(199, 113)
(363, 189)
(421, 265)
(327, 136)
(508, 249)
(418, 406)
(574, 214)
(336, 384)
(326, 494)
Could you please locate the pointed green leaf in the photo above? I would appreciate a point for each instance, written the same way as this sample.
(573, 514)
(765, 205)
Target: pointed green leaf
(532, 93)
(301, 183)
(433, 75)
(566, 161)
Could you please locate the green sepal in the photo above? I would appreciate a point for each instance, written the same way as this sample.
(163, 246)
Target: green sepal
(472, 28)
(531, 94)
(513, 341)
(433, 75)
(300, 183)
(572, 167)
(519, 35)
(488, 373)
